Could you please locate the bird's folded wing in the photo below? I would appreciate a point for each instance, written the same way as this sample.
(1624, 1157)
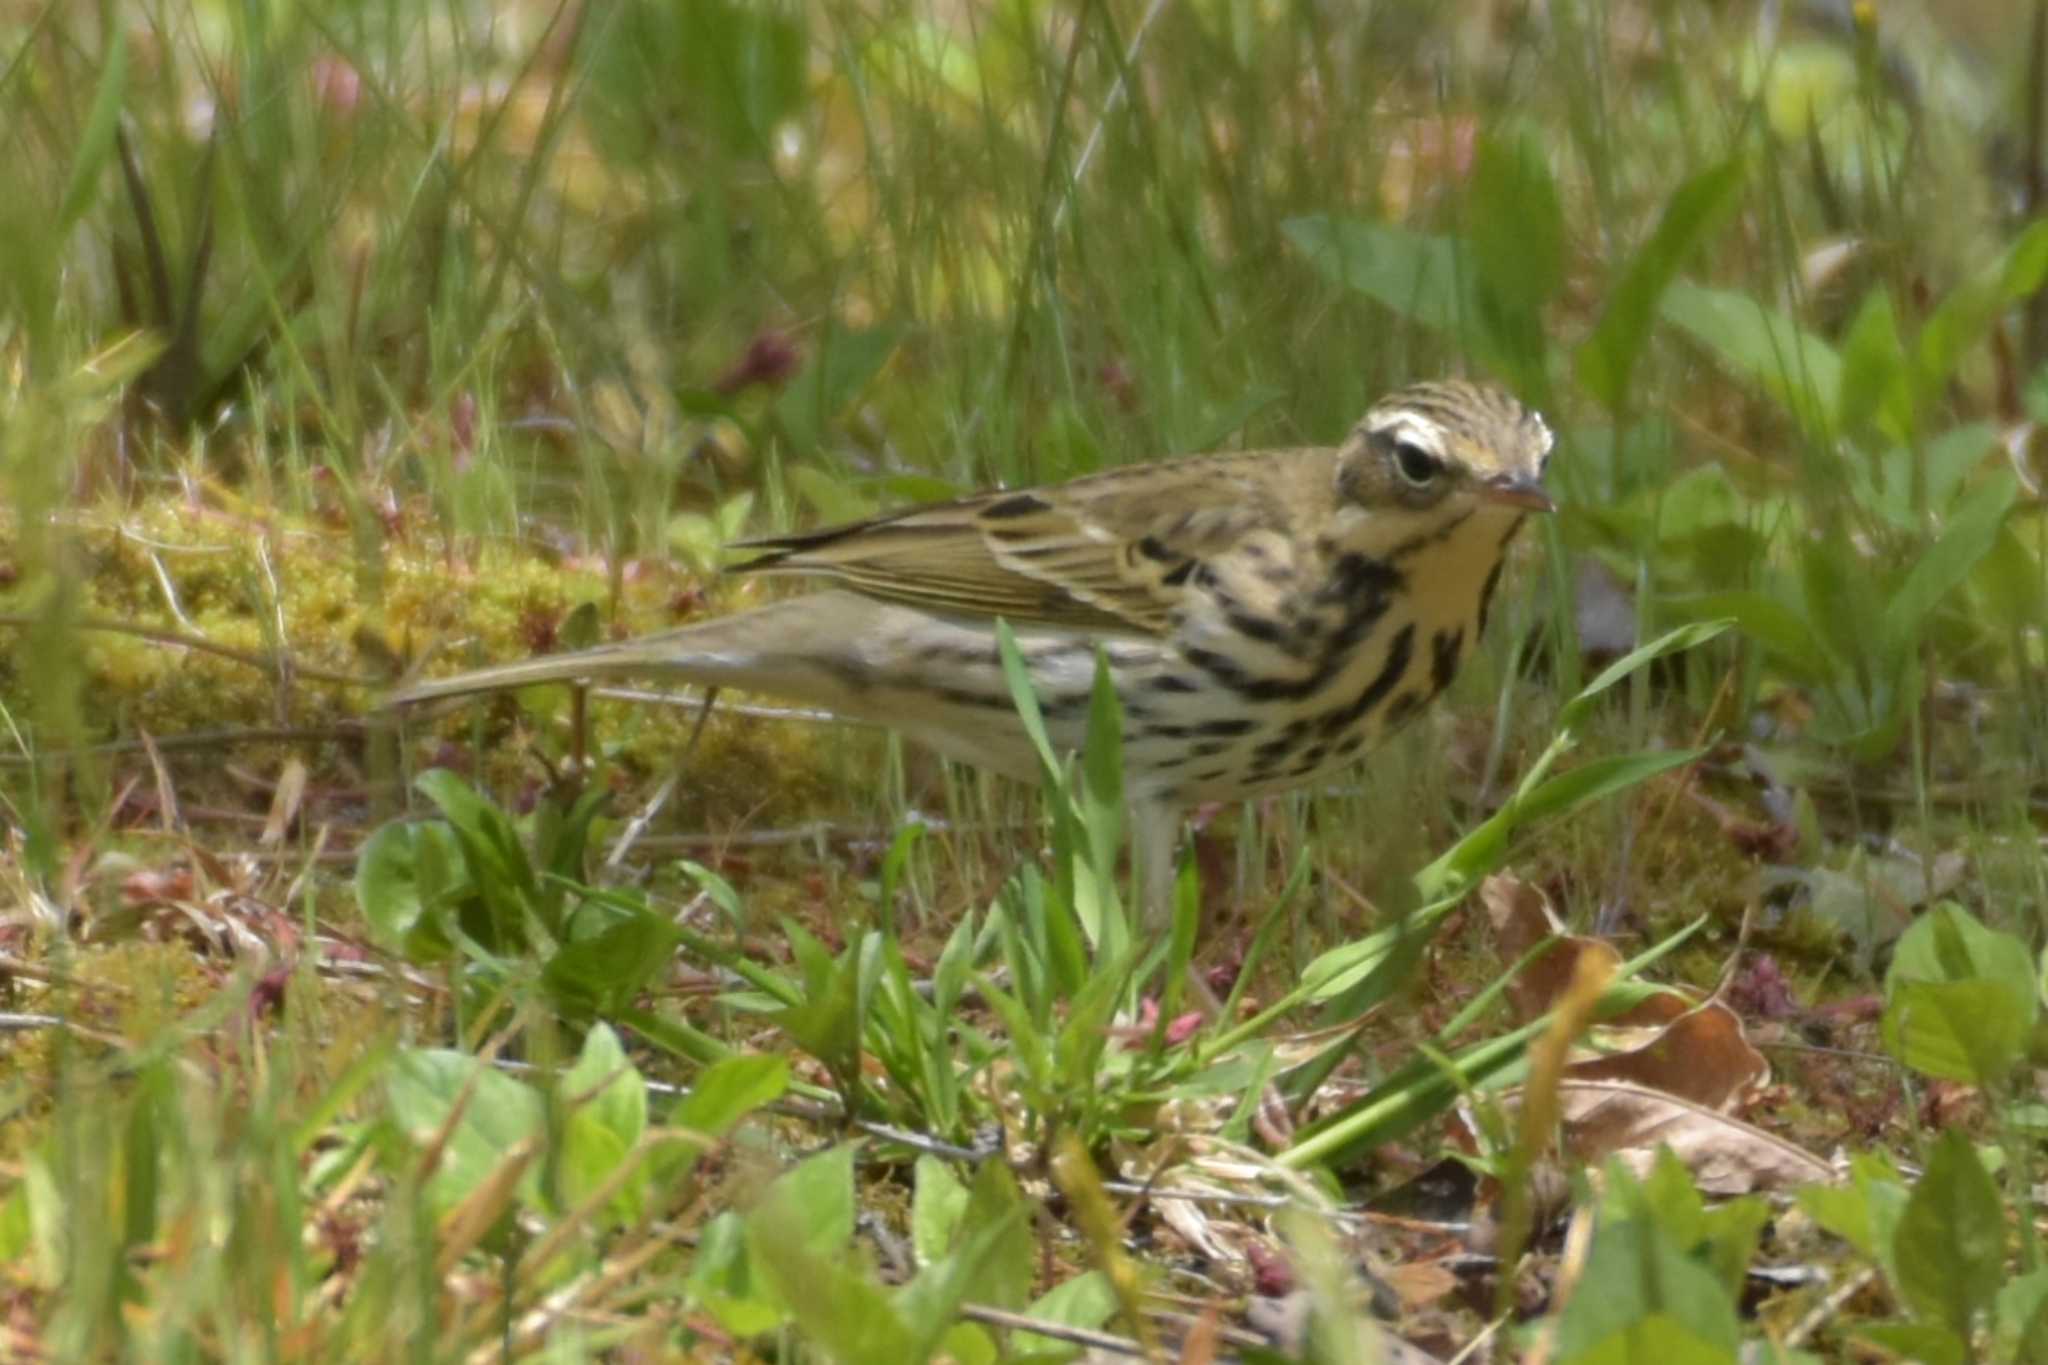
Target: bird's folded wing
(1115, 552)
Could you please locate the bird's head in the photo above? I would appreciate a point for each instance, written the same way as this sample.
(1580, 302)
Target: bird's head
(1444, 451)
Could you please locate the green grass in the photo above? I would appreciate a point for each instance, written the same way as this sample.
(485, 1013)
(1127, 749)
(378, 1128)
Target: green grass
(338, 334)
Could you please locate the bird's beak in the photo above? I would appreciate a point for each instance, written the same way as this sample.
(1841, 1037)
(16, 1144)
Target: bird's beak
(1526, 494)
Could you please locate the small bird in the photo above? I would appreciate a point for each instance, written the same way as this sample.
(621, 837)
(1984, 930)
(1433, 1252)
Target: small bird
(1265, 616)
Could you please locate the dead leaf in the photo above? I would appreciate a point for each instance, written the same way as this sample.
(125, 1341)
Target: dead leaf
(285, 803)
(1703, 1056)
(1724, 1155)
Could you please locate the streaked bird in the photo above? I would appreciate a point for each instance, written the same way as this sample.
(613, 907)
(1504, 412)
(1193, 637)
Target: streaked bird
(1266, 616)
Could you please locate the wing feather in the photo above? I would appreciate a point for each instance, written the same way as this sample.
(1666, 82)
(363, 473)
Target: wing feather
(1111, 552)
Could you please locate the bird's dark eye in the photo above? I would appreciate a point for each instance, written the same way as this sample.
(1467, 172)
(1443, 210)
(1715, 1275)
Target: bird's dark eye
(1417, 465)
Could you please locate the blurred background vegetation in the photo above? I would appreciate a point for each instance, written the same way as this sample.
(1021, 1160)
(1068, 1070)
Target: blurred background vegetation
(345, 333)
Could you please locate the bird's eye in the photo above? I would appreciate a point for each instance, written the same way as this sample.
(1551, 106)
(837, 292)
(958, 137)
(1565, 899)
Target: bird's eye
(1417, 465)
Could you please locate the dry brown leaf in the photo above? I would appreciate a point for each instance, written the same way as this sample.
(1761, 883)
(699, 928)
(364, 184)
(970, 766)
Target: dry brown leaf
(1419, 1283)
(285, 803)
(1724, 1155)
(1522, 917)
(1703, 1056)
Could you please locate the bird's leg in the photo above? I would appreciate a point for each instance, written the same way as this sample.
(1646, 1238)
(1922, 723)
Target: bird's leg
(1155, 831)
(1155, 838)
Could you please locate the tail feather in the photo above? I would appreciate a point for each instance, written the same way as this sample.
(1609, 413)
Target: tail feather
(730, 651)
(786, 649)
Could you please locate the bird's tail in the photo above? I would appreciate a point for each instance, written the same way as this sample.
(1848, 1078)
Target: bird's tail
(773, 649)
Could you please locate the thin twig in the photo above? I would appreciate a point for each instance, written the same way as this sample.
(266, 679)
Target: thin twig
(198, 643)
(1829, 1306)
(202, 739)
(1080, 1336)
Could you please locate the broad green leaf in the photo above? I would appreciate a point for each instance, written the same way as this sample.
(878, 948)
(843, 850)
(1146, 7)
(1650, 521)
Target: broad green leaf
(730, 1090)
(1963, 319)
(1966, 538)
(927, 1305)
(724, 1094)
(1922, 1343)
(938, 1201)
(1907, 484)
(1005, 1269)
(1086, 1300)
(605, 1085)
(1654, 1339)
(1229, 420)
(2010, 583)
(1517, 236)
(2020, 1319)
(1843, 613)
(846, 1314)
(817, 1194)
(606, 1123)
(1517, 246)
(1801, 371)
(729, 72)
(1772, 623)
(1948, 943)
(838, 373)
(504, 876)
(1866, 1211)
(604, 972)
(722, 1278)
(718, 889)
(1423, 278)
(1607, 358)
(498, 1113)
(1877, 386)
(1641, 1274)
(1950, 1249)
(834, 499)
(1697, 503)
(826, 1021)
(1956, 1030)
(17, 1231)
(405, 869)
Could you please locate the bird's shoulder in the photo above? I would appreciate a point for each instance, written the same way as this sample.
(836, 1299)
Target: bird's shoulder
(1115, 551)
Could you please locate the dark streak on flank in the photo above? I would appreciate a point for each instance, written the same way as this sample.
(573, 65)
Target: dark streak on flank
(1486, 592)
(1016, 505)
(857, 678)
(962, 696)
(1263, 629)
(1363, 587)
(1445, 647)
(1399, 651)
(1402, 709)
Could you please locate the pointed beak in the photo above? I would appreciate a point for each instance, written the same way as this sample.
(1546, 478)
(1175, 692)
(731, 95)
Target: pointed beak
(1526, 494)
